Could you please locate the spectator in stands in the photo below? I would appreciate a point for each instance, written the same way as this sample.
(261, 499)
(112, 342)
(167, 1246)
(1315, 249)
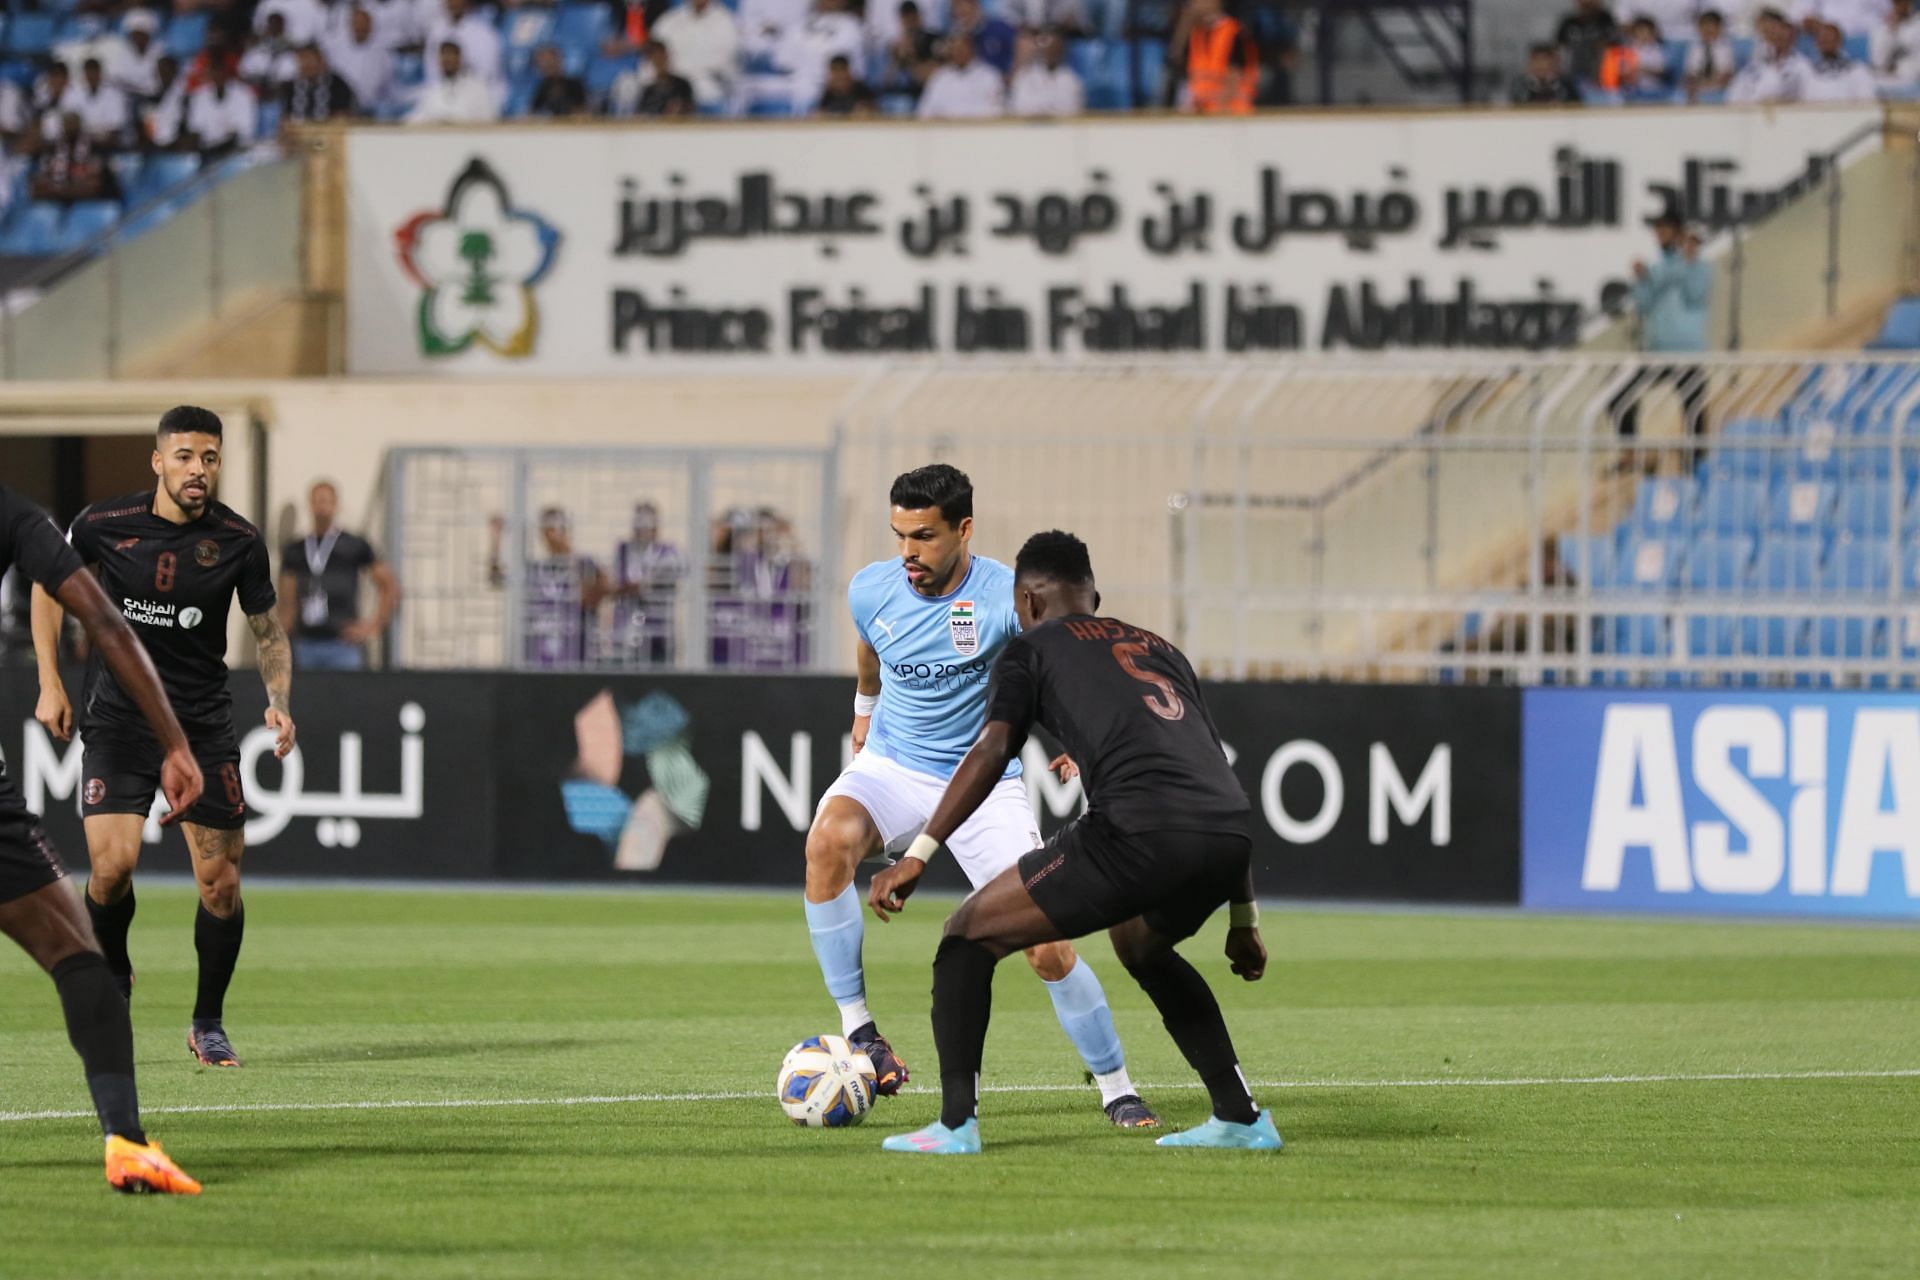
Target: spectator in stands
(1637, 66)
(1217, 67)
(163, 117)
(561, 590)
(1777, 73)
(765, 24)
(478, 38)
(1710, 59)
(73, 168)
(13, 110)
(302, 22)
(1584, 36)
(965, 88)
(830, 31)
(1671, 296)
(317, 93)
(705, 40)
(49, 91)
(992, 39)
(1835, 77)
(223, 114)
(320, 590)
(1894, 49)
(272, 60)
(1544, 84)
(1065, 18)
(912, 54)
(219, 48)
(1046, 85)
(557, 93)
(667, 92)
(362, 59)
(456, 95)
(843, 95)
(133, 61)
(1853, 17)
(102, 108)
(647, 571)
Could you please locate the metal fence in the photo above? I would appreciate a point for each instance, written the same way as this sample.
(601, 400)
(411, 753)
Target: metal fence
(611, 559)
(1732, 520)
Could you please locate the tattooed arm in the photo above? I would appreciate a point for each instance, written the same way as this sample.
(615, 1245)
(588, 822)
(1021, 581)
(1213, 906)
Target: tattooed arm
(276, 672)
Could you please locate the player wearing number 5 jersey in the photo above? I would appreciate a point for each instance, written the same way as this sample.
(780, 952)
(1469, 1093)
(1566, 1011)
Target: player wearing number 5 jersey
(172, 559)
(930, 625)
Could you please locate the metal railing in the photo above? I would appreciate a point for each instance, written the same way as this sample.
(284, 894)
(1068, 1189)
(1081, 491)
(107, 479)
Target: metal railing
(234, 240)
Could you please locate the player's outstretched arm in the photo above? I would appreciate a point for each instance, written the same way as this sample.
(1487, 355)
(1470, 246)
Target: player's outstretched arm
(276, 672)
(127, 658)
(867, 661)
(53, 711)
(966, 791)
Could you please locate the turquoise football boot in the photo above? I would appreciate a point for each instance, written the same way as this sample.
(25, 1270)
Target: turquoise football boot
(1258, 1136)
(938, 1140)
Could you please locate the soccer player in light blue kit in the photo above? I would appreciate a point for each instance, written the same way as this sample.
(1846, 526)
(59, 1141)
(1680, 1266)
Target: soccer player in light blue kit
(930, 626)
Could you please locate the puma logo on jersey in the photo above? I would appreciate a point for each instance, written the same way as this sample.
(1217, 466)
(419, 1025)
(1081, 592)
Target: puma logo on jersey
(125, 543)
(884, 625)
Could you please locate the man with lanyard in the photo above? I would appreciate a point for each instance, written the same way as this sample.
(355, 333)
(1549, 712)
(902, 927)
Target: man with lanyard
(647, 572)
(320, 579)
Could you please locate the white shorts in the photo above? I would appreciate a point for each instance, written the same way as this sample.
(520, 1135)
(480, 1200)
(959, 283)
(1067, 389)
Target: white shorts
(900, 800)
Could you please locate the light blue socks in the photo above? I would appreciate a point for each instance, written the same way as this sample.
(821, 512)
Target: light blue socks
(837, 930)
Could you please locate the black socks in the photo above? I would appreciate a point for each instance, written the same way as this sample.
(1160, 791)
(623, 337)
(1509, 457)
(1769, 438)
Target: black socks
(110, 925)
(218, 943)
(962, 1001)
(102, 1035)
(1192, 1018)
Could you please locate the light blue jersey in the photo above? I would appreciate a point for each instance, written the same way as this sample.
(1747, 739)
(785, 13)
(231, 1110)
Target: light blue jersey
(935, 656)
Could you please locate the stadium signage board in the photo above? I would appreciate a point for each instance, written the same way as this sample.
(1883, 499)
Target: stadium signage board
(607, 250)
(1723, 802)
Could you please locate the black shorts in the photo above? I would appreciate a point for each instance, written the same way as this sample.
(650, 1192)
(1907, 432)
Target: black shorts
(1091, 876)
(121, 771)
(28, 863)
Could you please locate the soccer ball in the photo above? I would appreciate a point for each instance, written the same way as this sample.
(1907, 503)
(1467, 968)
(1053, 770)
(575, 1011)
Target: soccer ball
(825, 1083)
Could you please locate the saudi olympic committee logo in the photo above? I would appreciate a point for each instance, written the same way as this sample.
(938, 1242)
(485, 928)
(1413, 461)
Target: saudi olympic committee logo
(476, 262)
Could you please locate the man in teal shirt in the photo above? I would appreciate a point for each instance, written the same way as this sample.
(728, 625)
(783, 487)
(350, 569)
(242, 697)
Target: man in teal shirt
(1671, 296)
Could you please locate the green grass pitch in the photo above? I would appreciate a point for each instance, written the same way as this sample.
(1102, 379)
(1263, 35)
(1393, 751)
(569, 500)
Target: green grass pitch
(1401, 1159)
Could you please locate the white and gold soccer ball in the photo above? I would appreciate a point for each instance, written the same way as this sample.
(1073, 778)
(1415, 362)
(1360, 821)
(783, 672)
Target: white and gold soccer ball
(826, 1083)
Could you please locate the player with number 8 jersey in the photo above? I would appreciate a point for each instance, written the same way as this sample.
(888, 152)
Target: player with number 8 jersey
(173, 559)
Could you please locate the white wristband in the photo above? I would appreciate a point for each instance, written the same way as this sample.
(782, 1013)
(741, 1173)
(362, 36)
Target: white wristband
(864, 703)
(923, 848)
(1243, 915)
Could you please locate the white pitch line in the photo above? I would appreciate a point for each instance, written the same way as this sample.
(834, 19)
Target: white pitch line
(617, 1099)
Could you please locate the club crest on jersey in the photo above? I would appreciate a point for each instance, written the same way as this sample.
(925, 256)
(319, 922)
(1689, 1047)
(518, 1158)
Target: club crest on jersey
(964, 630)
(207, 553)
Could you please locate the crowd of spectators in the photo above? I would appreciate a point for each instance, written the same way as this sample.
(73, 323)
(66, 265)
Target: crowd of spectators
(1713, 51)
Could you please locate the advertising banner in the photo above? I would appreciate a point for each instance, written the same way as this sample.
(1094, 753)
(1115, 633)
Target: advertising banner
(1357, 793)
(608, 250)
(1722, 802)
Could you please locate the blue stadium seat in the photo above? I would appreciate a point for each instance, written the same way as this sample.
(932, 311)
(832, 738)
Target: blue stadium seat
(602, 71)
(1857, 568)
(31, 35)
(1801, 507)
(31, 231)
(1866, 508)
(582, 25)
(520, 94)
(521, 32)
(160, 174)
(1664, 505)
(1901, 332)
(1732, 504)
(1589, 560)
(186, 34)
(1786, 567)
(85, 222)
(1719, 563)
(1651, 565)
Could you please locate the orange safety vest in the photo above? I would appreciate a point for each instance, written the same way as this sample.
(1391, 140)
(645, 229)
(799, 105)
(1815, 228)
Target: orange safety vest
(1210, 62)
(1619, 68)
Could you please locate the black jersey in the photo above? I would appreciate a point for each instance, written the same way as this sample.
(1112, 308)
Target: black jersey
(1127, 707)
(30, 539)
(174, 583)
